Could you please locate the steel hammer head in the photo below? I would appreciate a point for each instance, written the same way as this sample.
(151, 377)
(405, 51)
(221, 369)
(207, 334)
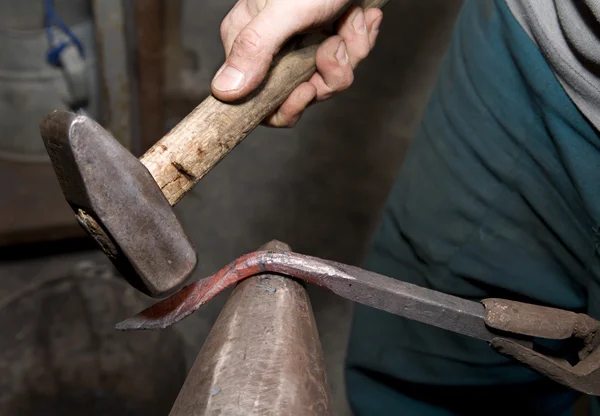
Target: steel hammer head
(117, 201)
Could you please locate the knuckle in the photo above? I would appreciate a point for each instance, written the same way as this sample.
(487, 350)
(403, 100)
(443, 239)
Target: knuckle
(277, 120)
(247, 44)
(284, 117)
(326, 91)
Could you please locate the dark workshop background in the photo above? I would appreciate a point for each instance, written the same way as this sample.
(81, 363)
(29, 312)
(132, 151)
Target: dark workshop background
(318, 187)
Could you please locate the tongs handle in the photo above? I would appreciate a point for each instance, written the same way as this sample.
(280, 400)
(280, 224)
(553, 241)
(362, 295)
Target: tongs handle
(524, 319)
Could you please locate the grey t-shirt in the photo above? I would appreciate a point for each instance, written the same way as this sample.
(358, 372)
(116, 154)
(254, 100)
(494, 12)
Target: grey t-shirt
(567, 32)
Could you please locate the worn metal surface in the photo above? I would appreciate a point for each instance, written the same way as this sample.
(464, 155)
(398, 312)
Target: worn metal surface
(497, 321)
(381, 292)
(555, 324)
(118, 203)
(262, 356)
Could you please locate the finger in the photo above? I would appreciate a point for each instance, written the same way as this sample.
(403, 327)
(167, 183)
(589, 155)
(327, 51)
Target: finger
(237, 18)
(332, 78)
(252, 52)
(334, 70)
(353, 29)
(373, 17)
(291, 110)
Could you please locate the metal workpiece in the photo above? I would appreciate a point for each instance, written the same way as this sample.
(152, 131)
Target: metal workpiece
(262, 356)
(511, 328)
(355, 284)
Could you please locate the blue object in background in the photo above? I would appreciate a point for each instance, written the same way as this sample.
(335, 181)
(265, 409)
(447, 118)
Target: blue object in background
(51, 21)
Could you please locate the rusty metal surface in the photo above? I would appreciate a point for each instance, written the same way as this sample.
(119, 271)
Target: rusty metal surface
(539, 321)
(583, 376)
(555, 324)
(262, 356)
(117, 202)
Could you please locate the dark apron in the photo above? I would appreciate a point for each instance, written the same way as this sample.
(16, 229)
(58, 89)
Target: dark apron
(499, 196)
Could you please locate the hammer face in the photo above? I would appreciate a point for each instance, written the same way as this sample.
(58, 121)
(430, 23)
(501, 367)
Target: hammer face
(116, 200)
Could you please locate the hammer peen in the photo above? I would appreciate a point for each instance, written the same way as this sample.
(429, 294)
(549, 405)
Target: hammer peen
(125, 203)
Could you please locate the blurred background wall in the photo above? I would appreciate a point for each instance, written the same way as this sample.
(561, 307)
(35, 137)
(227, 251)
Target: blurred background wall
(319, 187)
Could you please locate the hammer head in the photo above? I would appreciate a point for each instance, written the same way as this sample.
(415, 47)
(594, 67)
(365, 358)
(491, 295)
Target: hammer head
(116, 200)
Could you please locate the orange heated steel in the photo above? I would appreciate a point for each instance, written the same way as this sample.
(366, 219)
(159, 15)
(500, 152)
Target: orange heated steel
(350, 282)
(190, 298)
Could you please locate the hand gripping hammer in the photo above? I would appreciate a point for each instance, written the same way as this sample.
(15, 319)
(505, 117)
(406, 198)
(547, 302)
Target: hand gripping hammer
(125, 203)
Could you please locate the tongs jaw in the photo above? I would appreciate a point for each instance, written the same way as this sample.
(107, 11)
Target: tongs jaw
(527, 320)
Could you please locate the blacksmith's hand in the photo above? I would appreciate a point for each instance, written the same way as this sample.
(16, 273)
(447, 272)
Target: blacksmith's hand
(255, 30)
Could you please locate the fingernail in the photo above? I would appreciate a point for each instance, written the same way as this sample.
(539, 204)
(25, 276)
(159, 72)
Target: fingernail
(228, 78)
(341, 54)
(376, 24)
(359, 22)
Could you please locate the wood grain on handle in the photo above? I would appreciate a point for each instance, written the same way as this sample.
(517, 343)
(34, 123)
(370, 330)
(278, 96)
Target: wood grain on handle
(193, 147)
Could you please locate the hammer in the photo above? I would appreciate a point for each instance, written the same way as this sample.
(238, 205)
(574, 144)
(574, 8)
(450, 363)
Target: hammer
(124, 203)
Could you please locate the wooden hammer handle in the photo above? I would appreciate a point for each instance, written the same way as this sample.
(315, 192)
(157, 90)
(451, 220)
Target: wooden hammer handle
(206, 135)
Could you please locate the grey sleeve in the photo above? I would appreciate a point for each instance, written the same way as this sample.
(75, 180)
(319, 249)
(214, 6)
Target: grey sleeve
(567, 32)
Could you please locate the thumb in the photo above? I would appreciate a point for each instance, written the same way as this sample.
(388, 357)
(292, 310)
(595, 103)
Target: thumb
(251, 54)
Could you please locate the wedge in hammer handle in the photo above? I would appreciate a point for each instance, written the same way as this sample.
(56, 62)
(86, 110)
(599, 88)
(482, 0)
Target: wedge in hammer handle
(194, 146)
